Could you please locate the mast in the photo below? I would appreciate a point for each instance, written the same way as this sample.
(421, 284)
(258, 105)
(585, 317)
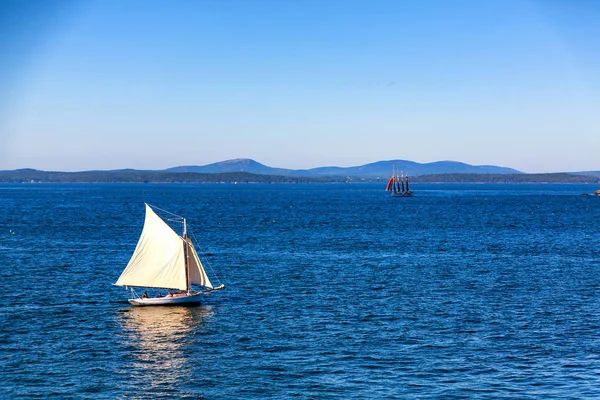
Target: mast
(407, 182)
(402, 182)
(185, 257)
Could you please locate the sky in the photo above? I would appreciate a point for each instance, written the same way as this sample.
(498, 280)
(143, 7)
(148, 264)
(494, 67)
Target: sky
(99, 85)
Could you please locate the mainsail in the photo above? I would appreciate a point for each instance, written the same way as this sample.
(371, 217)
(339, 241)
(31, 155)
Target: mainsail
(159, 259)
(390, 184)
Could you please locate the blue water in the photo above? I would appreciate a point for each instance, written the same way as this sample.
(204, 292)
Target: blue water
(333, 291)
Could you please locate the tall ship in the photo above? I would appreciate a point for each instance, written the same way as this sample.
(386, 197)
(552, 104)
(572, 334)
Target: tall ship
(398, 185)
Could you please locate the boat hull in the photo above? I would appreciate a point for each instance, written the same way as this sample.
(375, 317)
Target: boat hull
(192, 299)
(405, 194)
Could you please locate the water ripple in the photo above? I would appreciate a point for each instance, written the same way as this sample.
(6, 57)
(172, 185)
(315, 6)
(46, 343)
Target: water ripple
(333, 291)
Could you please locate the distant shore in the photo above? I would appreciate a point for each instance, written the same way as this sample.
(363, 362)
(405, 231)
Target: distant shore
(134, 176)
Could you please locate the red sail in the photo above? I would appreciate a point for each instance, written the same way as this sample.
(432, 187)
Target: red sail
(390, 183)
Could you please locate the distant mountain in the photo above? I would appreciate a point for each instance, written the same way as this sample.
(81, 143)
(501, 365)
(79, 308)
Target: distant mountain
(239, 165)
(373, 170)
(384, 168)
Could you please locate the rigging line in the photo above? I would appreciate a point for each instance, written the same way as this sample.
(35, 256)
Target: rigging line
(165, 211)
(205, 260)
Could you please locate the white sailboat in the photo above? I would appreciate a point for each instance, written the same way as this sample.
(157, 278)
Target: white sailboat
(165, 260)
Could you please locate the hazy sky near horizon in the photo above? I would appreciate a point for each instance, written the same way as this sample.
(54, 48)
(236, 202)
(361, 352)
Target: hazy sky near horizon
(299, 84)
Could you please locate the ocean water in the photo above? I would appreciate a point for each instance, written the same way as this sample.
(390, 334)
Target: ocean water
(332, 291)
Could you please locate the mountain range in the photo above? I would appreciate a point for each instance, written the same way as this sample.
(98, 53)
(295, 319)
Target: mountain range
(247, 170)
(377, 169)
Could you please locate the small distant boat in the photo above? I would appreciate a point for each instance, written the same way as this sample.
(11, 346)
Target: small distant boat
(398, 185)
(165, 260)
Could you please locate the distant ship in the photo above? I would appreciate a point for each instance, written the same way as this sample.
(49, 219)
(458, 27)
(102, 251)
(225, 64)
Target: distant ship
(398, 185)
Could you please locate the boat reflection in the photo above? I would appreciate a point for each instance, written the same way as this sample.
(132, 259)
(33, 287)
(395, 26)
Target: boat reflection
(160, 338)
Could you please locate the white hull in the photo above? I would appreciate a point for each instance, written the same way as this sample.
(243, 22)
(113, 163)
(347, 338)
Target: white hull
(193, 298)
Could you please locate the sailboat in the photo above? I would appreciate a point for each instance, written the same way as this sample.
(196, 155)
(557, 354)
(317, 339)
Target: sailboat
(398, 185)
(165, 260)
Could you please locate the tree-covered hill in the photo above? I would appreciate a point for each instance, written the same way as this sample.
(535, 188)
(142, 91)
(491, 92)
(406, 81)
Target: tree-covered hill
(505, 178)
(135, 176)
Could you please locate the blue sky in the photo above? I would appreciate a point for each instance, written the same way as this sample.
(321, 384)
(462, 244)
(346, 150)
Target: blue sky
(299, 84)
